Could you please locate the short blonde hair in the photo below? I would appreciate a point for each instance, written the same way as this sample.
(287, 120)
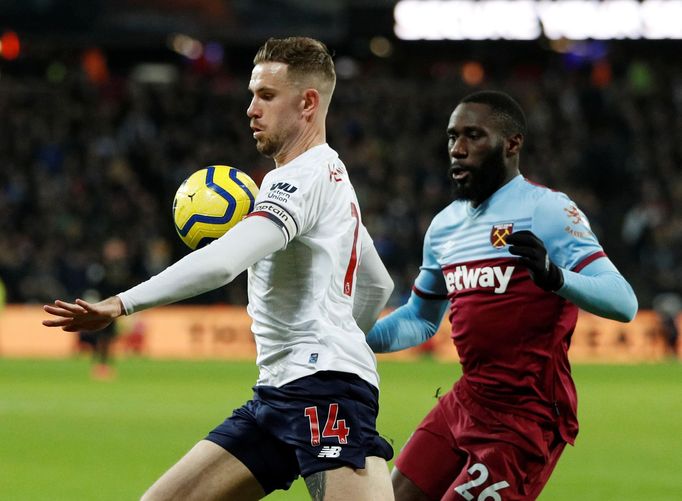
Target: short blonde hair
(305, 58)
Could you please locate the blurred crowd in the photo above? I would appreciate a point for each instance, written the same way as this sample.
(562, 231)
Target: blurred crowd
(88, 170)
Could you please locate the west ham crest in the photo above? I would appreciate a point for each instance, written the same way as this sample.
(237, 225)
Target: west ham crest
(499, 234)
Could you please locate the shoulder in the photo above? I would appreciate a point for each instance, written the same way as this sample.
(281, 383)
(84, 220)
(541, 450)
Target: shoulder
(453, 213)
(446, 223)
(289, 181)
(316, 165)
(563, 227)
(540, 194)
(539, 201)
(557, 208)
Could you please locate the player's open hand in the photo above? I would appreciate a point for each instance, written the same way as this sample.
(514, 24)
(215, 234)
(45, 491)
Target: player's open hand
(533, 255)
(83, 316)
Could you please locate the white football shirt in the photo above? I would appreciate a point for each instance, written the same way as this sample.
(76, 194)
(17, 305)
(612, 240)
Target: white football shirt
(301, 297)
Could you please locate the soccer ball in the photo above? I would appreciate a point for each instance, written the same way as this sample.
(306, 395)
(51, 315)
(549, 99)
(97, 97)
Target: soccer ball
(210, 202)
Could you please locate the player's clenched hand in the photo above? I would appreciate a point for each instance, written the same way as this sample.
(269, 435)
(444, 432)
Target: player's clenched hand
(533, 255)
(83, 316)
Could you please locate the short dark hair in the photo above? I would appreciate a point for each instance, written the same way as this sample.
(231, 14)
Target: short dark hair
(509, 112)
(304, 57)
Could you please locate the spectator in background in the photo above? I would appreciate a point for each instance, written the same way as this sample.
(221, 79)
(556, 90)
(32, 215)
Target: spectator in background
(72, 150)
(668, 305)
(111, 272)
(99, 344)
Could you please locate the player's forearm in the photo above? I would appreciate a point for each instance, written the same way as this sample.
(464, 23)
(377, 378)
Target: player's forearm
(410, 325)
(607, 294)
(208, 268)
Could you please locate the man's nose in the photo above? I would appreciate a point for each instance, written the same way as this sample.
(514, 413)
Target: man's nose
(251, 111)
(458, 148)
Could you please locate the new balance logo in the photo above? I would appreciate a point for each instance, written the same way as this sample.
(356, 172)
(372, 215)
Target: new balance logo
(330, 451)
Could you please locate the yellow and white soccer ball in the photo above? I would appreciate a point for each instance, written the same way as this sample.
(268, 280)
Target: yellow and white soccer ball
(210, 202)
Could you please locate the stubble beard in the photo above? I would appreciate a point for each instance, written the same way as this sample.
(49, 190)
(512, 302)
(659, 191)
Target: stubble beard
(483, 180)
(268, 147)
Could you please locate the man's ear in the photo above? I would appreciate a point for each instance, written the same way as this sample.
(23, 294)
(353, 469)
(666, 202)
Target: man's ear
(514, 144)
(311, 102)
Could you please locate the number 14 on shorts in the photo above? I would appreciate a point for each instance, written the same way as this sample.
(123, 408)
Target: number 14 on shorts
(480, 474)
(332, 428)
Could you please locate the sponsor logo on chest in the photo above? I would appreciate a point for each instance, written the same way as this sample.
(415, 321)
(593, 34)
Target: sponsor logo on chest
(462, 278)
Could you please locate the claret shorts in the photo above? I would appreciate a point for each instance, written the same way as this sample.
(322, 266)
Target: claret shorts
(465, 451)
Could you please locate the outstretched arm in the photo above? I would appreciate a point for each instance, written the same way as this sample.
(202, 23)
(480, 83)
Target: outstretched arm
(410, 325)
(83, 316)
(200, 271)
(418, 319)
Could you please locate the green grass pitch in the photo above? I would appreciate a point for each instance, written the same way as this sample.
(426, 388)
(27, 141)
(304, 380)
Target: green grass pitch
(64, 436)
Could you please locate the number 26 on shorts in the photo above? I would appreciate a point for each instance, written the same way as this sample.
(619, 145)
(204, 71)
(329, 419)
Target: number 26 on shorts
(332, 428)
(480, 474)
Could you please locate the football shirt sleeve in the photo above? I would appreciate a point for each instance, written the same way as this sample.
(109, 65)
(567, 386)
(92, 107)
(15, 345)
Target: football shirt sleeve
(430, 284)
(600, 289)
(410, 325)
(419, 319)
(374, 285)
(286, 199)
(564, 229)
(591, 281)
(207, 268)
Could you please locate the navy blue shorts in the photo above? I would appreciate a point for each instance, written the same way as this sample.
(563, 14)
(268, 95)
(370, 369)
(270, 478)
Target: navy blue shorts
(316, 423)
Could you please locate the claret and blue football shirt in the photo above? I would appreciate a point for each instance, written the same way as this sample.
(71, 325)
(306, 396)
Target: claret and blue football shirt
(512, 337)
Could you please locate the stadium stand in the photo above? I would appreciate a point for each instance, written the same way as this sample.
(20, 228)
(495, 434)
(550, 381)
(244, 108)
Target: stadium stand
(105, 114)
(90, 167)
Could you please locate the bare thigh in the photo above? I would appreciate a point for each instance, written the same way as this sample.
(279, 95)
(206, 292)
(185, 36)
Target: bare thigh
(206, 472)
(371, 483)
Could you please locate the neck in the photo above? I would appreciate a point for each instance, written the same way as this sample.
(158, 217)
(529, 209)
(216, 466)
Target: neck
(306, 139)
(511, 174)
